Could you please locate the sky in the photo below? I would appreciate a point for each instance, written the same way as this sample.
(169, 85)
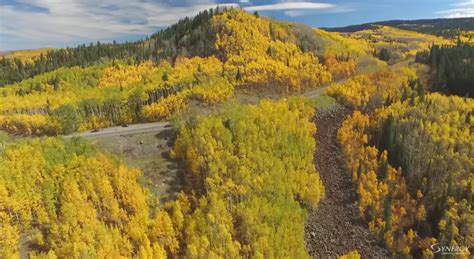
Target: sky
(29, 24)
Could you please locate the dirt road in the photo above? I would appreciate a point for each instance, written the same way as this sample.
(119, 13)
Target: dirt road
(119, 130)
(155, 126)
(317, 92)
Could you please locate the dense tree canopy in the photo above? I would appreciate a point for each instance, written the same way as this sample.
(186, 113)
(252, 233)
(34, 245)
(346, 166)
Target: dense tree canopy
(249, 173)
(373, 90)
(72, 99)
(452, 68)
(251, 166)
(411, 162)
(188, 37)
(65, 199)
(262, 53)
(247, 52)
(249, 177)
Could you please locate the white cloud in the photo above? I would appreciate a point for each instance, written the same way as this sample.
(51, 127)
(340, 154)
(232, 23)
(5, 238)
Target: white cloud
(289, 6)
(465, 3)
(465, 8)
(335, 9)
(68, 21)
(295, 13)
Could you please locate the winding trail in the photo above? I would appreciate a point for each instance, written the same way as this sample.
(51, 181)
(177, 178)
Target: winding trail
(334, 227)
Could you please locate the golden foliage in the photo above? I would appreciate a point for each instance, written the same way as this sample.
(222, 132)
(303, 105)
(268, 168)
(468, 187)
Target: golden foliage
(189, 71)
(373, 90)
(112, 94)
(24, 124)
(250, 163)
(340, 69)
(257, 55)
(401, 43)
(383, 198)
(68, 200)
(26, 55)
(167, 106)
(342, 45)
(124, 76)
(429, 130)
(213, 92)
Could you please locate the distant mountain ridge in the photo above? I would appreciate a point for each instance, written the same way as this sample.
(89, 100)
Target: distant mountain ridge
(447, 27)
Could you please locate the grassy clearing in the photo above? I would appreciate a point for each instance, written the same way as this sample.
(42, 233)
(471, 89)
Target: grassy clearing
(323, 101)
(369, 64)
(4, 137)
(148, 152)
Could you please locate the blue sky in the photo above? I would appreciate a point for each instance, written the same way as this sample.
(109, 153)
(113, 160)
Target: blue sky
(26, 24)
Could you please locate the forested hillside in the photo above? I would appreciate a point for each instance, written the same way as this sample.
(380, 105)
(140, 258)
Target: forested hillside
(69, 200)
(188, 37)
(410, 157)
(393, 44)
(265, 187)
(66, 199)
(408, 151)
(251, 138)
(250, 53)
(241, 182)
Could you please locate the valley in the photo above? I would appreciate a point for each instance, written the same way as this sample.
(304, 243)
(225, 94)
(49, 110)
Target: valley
(236, 135)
